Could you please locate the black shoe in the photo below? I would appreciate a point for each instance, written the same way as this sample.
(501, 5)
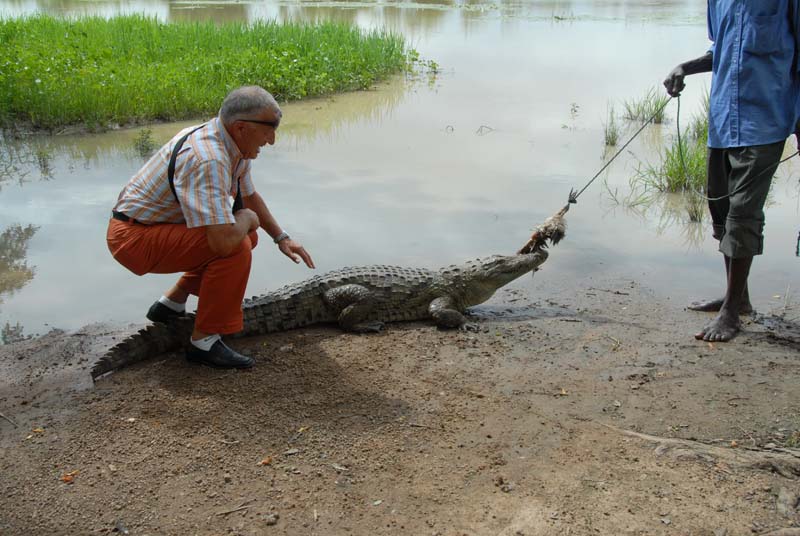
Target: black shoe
(219, 356)
(159, 312)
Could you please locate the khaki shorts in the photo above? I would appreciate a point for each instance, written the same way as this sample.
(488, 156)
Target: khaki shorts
(746, 172)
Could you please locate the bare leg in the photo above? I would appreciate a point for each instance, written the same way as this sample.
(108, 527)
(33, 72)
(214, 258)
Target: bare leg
(713, 306)
(726, 324)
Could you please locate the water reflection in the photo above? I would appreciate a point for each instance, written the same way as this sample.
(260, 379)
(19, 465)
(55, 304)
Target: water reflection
(14, 271)
(214, 12)
(21, 162)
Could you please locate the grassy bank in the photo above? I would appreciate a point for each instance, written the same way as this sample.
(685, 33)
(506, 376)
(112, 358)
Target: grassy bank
(96, 71)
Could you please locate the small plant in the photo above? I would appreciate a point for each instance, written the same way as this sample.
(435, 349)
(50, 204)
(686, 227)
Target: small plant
(611, 129)
(574, 108)
(420, 69)
(143, 143)
(650, 106)
(432, 67)
(794, 440)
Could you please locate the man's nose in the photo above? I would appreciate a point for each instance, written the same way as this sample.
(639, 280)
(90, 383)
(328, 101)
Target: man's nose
(271, 138)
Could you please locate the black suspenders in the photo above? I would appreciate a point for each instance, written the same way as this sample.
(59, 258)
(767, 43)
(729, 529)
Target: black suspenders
(237, 202)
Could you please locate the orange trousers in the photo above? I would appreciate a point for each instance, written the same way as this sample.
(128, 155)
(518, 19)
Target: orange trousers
(218, 282)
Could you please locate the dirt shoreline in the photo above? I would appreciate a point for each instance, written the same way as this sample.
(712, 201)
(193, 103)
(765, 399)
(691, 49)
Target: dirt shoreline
(517, 429)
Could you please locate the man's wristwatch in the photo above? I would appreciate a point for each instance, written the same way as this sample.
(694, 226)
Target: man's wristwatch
(283, 236)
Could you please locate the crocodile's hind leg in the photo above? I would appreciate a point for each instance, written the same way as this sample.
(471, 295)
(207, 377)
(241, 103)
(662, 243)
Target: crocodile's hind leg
(355, 303)
(444, 313)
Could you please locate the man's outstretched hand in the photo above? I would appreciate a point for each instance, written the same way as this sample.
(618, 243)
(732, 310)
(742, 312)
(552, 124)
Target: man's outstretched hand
(674, 81)
(296, 252)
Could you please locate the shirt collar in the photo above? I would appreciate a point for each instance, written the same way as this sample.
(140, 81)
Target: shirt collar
(230, 145)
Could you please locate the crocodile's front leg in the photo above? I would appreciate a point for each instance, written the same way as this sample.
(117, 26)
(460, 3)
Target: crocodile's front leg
(354, 303)
(445, 314)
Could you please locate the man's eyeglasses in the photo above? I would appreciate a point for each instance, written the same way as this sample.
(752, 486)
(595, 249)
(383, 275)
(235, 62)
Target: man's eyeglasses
(273, 124)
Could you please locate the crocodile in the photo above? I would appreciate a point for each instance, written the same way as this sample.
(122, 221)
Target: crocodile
(358, 299)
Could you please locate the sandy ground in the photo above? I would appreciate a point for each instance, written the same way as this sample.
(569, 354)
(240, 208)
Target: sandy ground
(517, 429)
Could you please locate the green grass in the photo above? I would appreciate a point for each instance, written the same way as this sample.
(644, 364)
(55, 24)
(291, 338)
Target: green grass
(681, 169)
(649, 106)
(611, 129)
(132, 69)
(682, 166)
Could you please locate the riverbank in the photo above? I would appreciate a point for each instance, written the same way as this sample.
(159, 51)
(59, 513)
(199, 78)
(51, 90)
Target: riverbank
(519, 428)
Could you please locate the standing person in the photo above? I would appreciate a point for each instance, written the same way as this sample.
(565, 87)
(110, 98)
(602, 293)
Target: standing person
(175, 215)
(753, 108)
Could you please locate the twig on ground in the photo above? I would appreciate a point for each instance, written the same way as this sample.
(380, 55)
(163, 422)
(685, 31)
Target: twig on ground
(9, 419)
(244, 506)
(617, 344)
(226, 512)
(611, 291)
(736, 398)
(785, 461)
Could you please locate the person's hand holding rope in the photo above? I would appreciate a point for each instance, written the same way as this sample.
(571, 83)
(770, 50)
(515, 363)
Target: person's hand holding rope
(674, 81)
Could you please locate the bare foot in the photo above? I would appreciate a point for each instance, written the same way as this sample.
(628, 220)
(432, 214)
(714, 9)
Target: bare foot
(723, 328)
(713, 306)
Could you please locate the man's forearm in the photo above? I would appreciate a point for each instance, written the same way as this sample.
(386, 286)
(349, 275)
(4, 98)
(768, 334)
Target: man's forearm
(703, 64)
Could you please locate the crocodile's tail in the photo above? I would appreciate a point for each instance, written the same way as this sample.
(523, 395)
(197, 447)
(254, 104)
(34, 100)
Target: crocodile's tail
(151, 341)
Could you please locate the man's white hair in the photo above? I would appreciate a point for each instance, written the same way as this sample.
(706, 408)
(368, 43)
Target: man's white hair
(245, 102)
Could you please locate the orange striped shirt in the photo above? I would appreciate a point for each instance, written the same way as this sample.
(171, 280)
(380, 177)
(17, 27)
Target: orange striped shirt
(207, 170)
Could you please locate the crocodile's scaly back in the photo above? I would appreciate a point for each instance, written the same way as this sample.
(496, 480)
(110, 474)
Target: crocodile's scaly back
(303, 304)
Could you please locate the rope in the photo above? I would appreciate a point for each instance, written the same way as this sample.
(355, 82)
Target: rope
(573, 196)
(741, 187)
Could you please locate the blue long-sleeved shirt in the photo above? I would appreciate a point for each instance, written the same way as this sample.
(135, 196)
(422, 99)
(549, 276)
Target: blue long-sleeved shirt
(755, 85)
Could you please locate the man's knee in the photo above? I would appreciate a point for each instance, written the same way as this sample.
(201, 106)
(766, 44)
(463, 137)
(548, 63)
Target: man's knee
(744, 237)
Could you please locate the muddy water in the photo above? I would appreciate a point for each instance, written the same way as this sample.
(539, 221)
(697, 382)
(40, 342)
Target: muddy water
(421, 172)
